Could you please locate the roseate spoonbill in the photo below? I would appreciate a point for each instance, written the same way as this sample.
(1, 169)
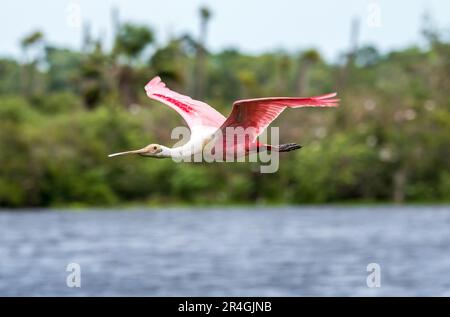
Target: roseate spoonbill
(206, 124)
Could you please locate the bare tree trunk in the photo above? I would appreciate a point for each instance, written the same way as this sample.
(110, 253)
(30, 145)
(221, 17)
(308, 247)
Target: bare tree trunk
(399, 180)
(200, 70)
(126, 87)
(24, 80)
(201, 56)
(354, 36)
(302, 79)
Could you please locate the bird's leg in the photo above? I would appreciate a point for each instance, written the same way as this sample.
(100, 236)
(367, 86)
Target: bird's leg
(288, 147)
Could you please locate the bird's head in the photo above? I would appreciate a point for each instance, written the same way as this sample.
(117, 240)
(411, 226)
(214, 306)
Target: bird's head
(151, 150)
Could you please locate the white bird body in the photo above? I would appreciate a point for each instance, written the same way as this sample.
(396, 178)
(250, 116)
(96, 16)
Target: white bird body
(199, 137)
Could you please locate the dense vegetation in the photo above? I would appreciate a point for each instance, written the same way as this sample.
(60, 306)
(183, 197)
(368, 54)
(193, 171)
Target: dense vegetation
(63, 111)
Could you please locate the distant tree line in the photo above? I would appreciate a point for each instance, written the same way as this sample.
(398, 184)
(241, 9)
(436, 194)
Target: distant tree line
(62, 111)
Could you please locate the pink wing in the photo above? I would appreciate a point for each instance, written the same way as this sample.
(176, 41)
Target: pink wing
(195, 113)
(257, 114)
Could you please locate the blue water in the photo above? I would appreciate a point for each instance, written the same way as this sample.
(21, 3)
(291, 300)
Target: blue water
(321, 251)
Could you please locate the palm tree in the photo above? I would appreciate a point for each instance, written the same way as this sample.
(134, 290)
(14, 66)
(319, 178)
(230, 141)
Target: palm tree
(200, 65)
(205, 15)
(33, 40)
(131, 40)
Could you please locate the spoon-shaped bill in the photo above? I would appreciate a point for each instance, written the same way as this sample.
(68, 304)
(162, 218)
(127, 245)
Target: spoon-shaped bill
(127, 153)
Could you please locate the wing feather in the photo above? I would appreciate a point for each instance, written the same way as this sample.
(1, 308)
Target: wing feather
(257, 114)
(194, 112)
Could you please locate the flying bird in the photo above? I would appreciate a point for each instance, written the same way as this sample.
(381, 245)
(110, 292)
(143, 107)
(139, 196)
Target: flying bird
(207, 126)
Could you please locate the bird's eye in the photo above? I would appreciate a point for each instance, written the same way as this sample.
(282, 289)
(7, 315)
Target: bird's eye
(154, 148)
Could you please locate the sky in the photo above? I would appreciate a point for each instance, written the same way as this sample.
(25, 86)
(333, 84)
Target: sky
(252, 26)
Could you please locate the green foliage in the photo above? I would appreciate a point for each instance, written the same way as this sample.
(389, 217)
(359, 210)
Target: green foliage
(9, 77)
(333, 169)
(32, 38)
(58, 102)
(63, 68)
(132, 39)
(15, 110)
(389, 140)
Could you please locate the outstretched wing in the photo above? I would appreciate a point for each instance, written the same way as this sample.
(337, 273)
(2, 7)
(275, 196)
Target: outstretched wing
(195, 113)
(257, 114)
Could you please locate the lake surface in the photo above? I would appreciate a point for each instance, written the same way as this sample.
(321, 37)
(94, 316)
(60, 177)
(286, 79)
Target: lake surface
(307, 251)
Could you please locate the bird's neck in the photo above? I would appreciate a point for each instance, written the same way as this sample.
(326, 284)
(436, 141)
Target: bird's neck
(176, 153)
(166, 152)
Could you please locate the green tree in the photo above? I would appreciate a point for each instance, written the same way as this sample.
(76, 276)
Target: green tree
(130, 42)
